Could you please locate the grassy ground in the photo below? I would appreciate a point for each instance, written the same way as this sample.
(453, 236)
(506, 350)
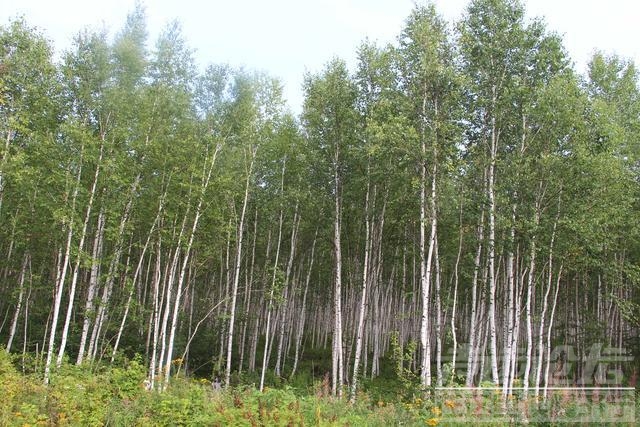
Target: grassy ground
(115, 396)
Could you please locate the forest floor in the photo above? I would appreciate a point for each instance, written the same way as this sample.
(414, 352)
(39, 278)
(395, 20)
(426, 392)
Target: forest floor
(116, 396)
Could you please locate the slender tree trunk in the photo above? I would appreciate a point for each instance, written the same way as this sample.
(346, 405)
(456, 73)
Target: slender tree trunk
(136, 274)
(247, 296)
(511, 319)
(76, 269)
(294, 239)
(492, 248)
(207, 170)
(96, 255)
(438, 316)
(169, 285)
(530, 292)
(337, 367)
(549, 329)
(363, 296)
(101, 312)
(155, 316)
(61, 275)
(265, 355)
(16, 314)
(426, 262)
(303, 310)
(472, 361)
(545, 304)
(456, 268)
(236, 276)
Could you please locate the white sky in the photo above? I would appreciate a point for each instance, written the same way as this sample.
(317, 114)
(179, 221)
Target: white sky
(285, 38)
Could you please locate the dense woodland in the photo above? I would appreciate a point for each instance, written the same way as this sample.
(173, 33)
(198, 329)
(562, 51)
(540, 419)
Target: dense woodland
(463, 195)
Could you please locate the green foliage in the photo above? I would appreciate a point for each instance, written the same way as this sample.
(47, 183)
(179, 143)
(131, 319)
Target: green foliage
(116, 396)
(402, 358)
(567, 167)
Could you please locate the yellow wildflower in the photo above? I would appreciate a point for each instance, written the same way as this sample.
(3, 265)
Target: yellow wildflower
(432, 421)
(436, 411)
(450, 404)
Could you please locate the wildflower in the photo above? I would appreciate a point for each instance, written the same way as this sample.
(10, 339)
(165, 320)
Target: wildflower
(432, 421)
(450, 404)
(418, 401)
(436, 411)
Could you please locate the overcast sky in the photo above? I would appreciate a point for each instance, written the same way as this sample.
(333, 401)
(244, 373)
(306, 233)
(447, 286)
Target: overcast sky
(285, 38)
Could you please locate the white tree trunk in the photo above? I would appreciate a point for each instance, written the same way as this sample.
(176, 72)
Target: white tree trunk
(76, 269)
(438, 317)
(545, 304)
(93, 283)
(474, 340)
(303, 310)
(363, 297)
(529, 316)
(454, 334)
(265, 355)
(101, 312)
(549, 329)
(61, 275)
(337, 366)
(207, 170)
(16, 314)
(426, 262)
(236, 277)
(510, 318)
(493, 349)
(294, 240)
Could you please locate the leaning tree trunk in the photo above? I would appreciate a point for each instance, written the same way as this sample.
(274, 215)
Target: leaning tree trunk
(136, 274)
(101, 312)
(16, 314)
(185, 262)
(76, 269)
(61, 274)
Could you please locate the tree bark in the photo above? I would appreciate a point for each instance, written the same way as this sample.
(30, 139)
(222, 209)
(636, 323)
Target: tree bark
(16, 314)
